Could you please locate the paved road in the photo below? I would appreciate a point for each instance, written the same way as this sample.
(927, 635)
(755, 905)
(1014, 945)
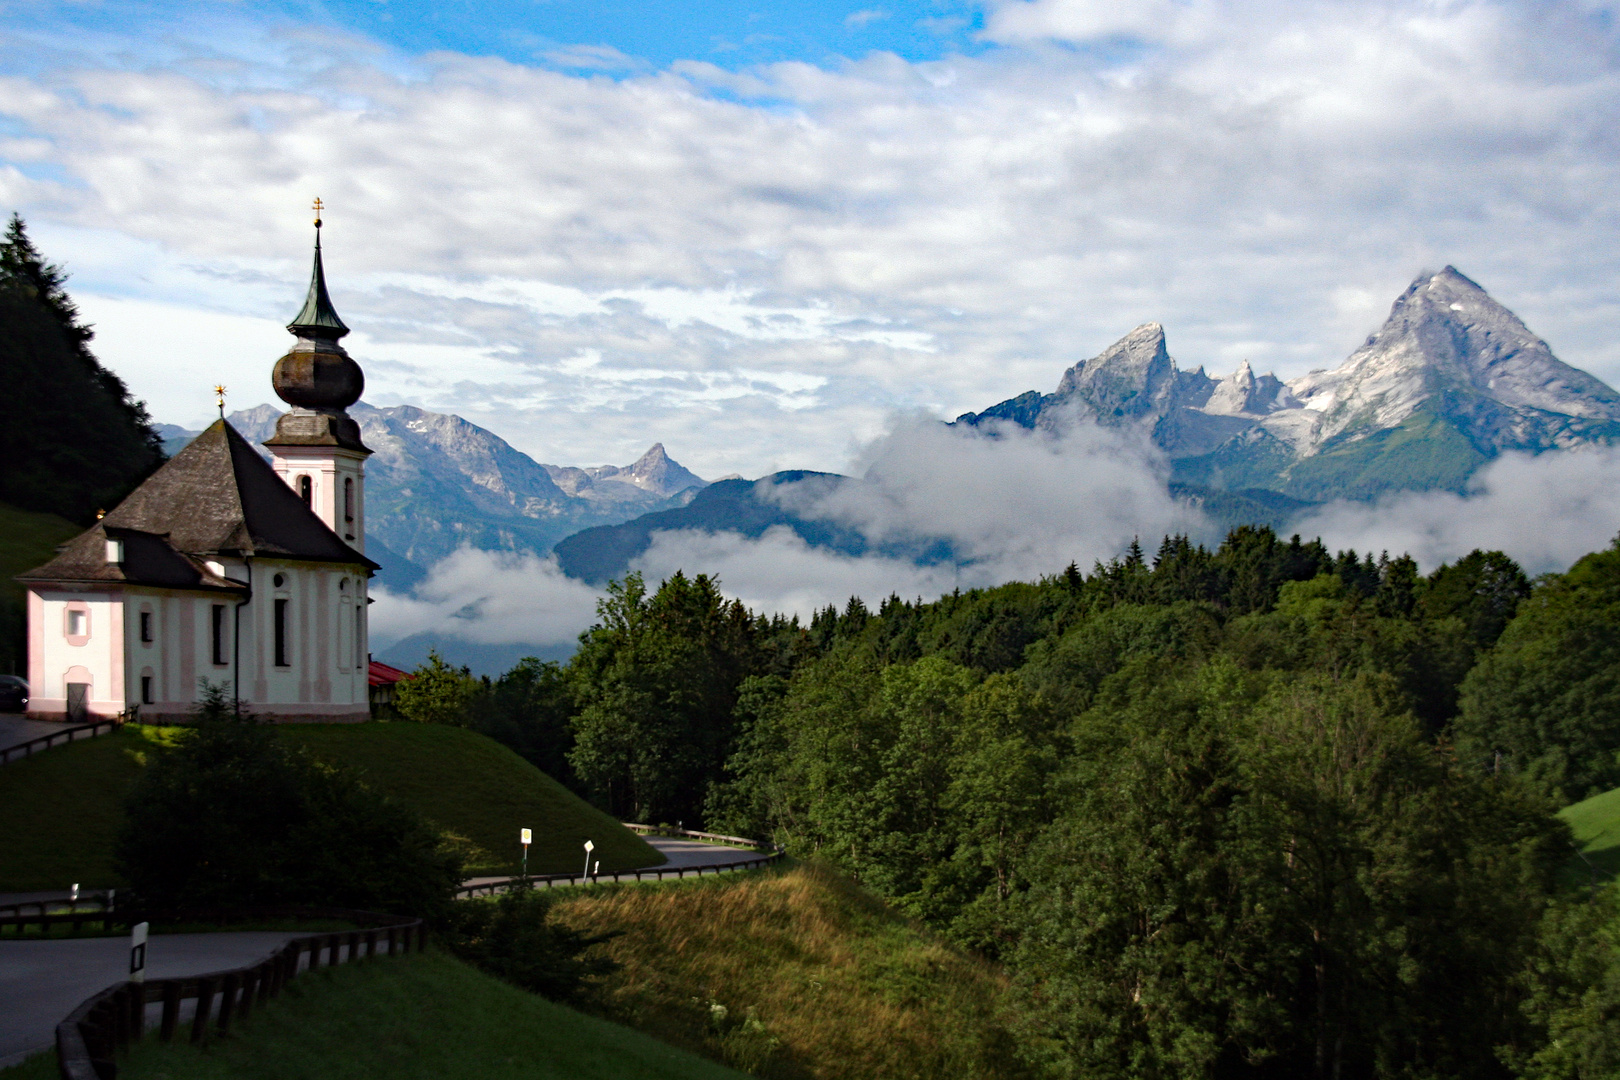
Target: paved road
(42, 981)
(680, 853)
(15, 728)
(698, 853)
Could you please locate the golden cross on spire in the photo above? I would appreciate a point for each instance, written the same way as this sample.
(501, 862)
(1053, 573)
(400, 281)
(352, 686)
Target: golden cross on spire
(318, 207)
(219, 399)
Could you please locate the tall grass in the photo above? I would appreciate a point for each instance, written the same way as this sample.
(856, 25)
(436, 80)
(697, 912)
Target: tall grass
(796, 973)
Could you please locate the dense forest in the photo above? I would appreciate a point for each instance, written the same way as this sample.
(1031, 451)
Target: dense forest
(74, 441)
(1267, 810)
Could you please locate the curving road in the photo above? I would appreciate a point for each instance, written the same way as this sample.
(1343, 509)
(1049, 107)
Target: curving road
(42, 981)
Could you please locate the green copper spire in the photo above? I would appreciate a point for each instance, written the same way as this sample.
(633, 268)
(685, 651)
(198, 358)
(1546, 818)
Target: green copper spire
(318, 319)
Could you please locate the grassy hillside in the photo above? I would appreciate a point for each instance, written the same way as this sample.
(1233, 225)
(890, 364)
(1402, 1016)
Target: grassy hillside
(796, 973)
(476, 788)
(26, 540)
(1596, 823)
(425, 1016)
(63, 807)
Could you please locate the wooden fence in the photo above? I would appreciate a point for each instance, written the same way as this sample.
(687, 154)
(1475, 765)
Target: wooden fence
(45, 742)
(89, 1040)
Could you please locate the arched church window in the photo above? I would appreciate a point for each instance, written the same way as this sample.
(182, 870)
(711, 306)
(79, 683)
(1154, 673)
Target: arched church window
(348, 498)
(306, 490)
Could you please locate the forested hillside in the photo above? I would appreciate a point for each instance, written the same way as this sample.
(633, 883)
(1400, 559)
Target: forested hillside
(74, 442)
(1266, 810)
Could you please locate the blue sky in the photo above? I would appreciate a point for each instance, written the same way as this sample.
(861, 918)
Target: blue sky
(767, 235)
(729, 33)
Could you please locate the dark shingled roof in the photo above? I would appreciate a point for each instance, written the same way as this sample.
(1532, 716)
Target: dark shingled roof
(148, 560)
(216, 496)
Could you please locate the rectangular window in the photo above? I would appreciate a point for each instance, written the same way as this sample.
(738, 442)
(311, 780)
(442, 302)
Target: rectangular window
(281, 633)
(146, 689)
(78, 623)
(146, 626)
(219, 633)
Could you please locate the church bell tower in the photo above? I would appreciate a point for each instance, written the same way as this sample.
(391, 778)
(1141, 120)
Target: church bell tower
(317, 448)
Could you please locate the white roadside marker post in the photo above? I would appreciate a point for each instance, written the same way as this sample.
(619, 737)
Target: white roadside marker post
(137, 952)
(526, 837)
(589, 847)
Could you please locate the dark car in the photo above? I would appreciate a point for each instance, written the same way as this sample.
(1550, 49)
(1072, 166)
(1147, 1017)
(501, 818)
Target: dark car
(13, 694)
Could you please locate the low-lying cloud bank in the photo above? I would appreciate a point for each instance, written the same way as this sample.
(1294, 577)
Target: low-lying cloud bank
(1008, 505)
(1545, 511)
(488, 598)
(988, 506)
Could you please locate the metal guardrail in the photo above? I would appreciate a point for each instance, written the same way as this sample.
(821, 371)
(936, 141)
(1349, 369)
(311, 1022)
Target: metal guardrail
(768, 853)
(89, 1040)
(45, 742)
(659, 873)
(719, 838)
(48, 913)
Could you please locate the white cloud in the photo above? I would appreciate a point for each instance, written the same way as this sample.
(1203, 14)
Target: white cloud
(1013, 503)
(1544, 511)
(489, 598)
(1016, 506)
(778, 572)
(766, 263)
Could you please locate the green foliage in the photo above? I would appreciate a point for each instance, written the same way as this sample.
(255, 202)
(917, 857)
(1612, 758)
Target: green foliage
(514, 938)
(74, 441)
(437, 694)
(1572, 994)
(655, 683)
(530, 709)
(1277, 872)
(1545, 700)
(231, 816)
(1484, 589)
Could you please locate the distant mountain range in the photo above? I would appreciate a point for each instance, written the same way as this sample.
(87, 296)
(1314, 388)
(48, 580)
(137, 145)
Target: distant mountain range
(436, 482)
(1452, 379)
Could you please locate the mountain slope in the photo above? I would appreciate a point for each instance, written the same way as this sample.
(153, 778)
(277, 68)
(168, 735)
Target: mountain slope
(599, 554)
(436, 482)
(1449, 381)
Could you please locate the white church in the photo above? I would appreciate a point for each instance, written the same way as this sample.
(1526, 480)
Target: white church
(223, 569)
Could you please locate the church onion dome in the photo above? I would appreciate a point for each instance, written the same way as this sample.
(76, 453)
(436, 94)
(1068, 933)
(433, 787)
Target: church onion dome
(317, 373)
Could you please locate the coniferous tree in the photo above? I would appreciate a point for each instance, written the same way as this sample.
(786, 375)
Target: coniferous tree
(75, 441)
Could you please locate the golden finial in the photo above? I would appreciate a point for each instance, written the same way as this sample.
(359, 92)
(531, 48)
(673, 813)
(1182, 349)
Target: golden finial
(318, 207)
(219, 399)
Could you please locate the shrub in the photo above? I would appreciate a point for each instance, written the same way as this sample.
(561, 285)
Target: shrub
(232, 816)
(514, 938)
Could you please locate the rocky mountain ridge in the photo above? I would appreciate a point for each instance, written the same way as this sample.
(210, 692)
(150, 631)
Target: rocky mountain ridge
(1450, 380)
(436, 482)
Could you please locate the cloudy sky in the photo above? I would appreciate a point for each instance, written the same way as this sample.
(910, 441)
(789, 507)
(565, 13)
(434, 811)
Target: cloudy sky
(760, 231)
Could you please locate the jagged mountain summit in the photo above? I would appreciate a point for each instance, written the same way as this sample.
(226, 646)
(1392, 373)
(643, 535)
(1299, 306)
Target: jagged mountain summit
(655, 473)
(437, 482)
(1449, 381)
